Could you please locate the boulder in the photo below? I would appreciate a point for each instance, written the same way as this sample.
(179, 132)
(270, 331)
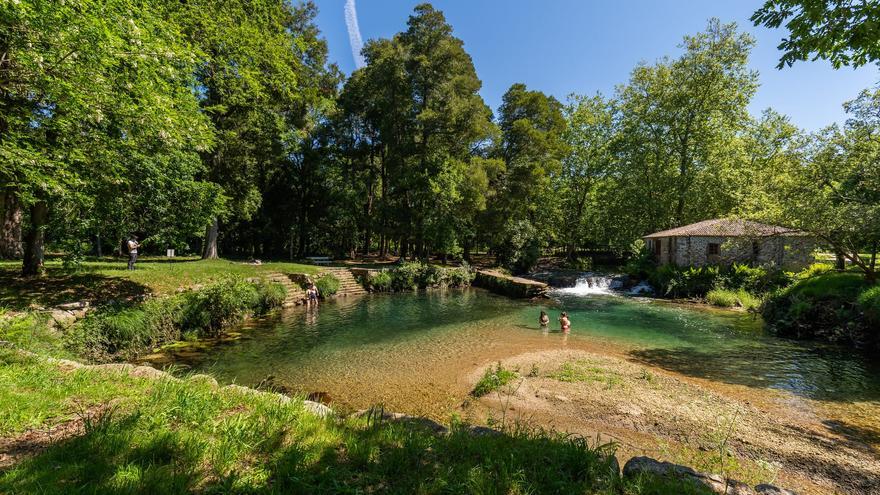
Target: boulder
(149, 372)
(765, 489)
(200, 378)
(317, 408)
(716, 484)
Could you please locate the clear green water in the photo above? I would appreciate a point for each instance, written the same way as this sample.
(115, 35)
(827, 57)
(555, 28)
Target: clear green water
(413, 351)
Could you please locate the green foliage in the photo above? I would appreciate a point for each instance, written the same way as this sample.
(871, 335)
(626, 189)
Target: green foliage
(380, 281)
(31, 331)
(674, 281)
(521, 247)
(727, 298)
(835, 307)
(814, 270)
(641, 263)
(493, 379)
(327, 284)
(869, 302)
(415, 275)
(124, 331)
(842, 32)
(585, 371)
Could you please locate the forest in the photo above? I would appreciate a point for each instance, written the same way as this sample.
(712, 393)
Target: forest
(221, 128)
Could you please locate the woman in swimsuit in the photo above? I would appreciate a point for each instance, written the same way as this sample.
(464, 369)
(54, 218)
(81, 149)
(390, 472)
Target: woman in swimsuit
(564, 322)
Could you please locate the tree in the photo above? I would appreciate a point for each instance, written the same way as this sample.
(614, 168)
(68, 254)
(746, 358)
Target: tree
(590, 135)
(87, 93)
(835, 194)
(841, 31)
(678, 120)
(532, 148)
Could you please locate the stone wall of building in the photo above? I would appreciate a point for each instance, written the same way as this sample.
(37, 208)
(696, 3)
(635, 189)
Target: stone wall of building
(788, 252)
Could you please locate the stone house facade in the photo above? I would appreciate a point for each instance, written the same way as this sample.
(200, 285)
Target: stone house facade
(725, 241)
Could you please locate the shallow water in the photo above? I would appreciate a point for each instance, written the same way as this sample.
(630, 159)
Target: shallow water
(414, 352)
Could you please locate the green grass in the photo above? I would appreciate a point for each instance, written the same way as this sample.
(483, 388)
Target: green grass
(726, 298)
(106, 279)
(163, 436)
(585, 371)
(493, 379)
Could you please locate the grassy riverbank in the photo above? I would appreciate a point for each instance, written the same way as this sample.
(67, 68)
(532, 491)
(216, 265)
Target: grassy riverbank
(67, 429)
(106, 279)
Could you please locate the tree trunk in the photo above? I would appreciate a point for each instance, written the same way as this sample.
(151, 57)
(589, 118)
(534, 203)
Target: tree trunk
(841, 262)
(212, 232)
(98, 250)
(33, 240)
(10, 225)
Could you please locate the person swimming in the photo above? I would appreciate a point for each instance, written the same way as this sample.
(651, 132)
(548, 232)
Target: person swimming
(544, 320)
(564, 322)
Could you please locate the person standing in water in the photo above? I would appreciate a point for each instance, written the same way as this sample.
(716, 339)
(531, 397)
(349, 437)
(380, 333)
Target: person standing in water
(564, 322)
(544, 320)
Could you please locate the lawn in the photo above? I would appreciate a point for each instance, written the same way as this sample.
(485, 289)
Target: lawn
(105, 279)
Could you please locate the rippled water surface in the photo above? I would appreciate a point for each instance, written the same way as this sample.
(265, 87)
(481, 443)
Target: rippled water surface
(414, 352)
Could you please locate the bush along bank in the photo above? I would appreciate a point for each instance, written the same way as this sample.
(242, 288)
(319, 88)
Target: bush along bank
(831, 306)
(415, 275)
(119, 332)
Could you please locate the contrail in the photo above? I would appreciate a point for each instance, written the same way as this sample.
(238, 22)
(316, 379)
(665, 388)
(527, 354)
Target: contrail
(354, 33)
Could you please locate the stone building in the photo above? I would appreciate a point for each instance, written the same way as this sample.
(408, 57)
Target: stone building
(724, 241)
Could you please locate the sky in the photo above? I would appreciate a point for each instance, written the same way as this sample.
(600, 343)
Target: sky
(587, 46)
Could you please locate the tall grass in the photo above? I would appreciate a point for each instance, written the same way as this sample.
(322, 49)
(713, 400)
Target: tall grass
(726, 298)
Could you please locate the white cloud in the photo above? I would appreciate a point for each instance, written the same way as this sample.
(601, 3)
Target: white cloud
(354, 33)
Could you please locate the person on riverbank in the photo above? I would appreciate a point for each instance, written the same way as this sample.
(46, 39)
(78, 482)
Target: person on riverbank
(313, 294)
(133, 246)
(544, 320)
(564, 322)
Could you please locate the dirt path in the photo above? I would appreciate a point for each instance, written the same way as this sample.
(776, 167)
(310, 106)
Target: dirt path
(649, 412)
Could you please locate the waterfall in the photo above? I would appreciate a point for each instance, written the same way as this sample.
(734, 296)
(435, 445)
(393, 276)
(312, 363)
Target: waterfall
(593, 283)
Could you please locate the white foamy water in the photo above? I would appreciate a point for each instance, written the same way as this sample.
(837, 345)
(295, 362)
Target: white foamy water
(593, 284)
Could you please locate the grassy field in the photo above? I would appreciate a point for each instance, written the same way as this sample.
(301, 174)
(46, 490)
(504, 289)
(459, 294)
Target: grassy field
(108, 279)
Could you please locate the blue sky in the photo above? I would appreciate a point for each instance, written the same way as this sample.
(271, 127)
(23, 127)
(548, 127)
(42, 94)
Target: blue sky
(585, 46)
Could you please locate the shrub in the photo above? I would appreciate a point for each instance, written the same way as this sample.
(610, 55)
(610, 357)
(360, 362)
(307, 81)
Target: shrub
(814, 270)
(727, 298)
(270, 295)
(493, 379)
(521, 247)
(120, 331)
(460, 276)
(415, 275)
(698, 281)
(835, 307)
(218, 305)
(869, 301)
(641, 263)
(379, 281)
(327, 284)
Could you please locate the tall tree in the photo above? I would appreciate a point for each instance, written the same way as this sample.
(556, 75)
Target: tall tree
(590, 135)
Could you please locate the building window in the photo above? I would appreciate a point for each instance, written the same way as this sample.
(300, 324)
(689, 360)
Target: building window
(713, 249)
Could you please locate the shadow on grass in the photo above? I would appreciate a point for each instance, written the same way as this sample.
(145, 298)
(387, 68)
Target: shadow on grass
(120, 455)
(59, 287)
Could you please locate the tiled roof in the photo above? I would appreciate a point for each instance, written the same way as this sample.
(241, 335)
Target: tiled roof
(724, 227)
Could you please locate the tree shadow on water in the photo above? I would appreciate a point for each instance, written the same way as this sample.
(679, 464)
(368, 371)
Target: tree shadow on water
(813, 373)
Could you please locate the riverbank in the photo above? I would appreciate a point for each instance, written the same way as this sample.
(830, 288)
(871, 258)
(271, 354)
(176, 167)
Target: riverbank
(650, 412)
(117, 428)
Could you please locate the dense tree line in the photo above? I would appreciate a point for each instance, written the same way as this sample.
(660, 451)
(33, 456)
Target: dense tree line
(220, 127)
